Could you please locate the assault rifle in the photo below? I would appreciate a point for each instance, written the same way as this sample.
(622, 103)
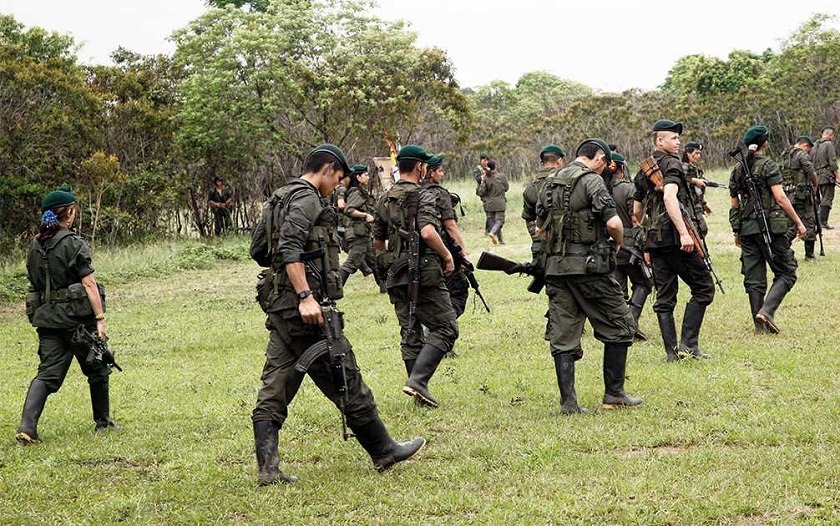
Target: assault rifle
(490, 261)
(695, 234)
(98, 350)
(638, 259)
(411, 237)
(746, 183)
(333, 344)
(815, 199)
(714, 184)
(469, 270)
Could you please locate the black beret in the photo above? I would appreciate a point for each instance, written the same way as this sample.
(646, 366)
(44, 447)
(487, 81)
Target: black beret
(666, 125)
(805, 139)
(597, 142)
(692, 145)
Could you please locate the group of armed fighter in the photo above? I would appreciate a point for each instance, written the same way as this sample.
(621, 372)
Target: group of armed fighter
(592, 229)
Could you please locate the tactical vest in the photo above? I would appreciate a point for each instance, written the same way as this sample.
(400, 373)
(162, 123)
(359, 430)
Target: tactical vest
(777, 220)
(792, 176)
(57, 307)
(576, 241)
(322, 234)
(395, 202)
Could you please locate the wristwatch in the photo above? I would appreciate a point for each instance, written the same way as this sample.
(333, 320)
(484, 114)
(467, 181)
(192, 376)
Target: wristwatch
(304, 294)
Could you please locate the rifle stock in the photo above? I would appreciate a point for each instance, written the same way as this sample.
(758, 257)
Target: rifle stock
(494, 263)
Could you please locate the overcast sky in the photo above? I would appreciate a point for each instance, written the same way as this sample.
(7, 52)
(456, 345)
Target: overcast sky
(487, 39)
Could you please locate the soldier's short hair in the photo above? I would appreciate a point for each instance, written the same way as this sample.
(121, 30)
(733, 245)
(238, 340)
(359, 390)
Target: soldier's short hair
(589, 150)
(550, 158)
(316, 161)
(406, 165)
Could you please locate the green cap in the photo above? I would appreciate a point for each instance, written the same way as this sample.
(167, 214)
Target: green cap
(552, 149)
(359, 169)
(599, 143)
(667, 125)
(805, 139)
(617, 157)
(757, 135)
(59, 197)
(333, 150)
(435, 161)
(483, 155)
(415, 152)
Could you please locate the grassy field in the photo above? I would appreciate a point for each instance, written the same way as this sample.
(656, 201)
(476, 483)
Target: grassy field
(749, 437)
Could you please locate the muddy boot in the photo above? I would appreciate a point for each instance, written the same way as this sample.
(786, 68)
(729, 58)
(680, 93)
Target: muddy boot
(756, 301)
(668, 328)
(778, 291)
(425, 366)
(615, 364)
(101, 404)
(268, 459)
(692, 321)
(564, 367)
(637, 303)
(809, 250)
(383, 450)
(33, 406)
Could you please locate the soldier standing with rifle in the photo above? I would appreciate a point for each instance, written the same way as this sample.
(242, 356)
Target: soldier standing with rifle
(670, 246)
(630, 262)
(297, 238)
(759, 218)
(825, 162)
(799, 180)
(697, 184)
(551, 160)
(578, 218)
(417, 262)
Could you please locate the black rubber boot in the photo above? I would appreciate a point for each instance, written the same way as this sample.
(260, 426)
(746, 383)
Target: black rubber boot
(615, 364)
(383, 450)
(100, 402)
(823, 217)
(33, 406)
(365, 269)
(425, 366)
(637, 303)
(344, 275)
(564, 367)
(409, 365)
(777, 293)
(809, 249)
(692, 322)
(268, 459)
(668, 328)
(756, 301)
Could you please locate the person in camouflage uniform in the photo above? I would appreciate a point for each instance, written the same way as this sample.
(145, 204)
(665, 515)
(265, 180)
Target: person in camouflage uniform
(359, 211)
(696, 184)
(747, 229)
(63, 294)
(630, 263)
(578, 219)
(551, 160)
(450, 233)
(800, 182)
(481, 168)
(393, 227)
(824, 157)
(492, 191)
(296, 220)
(670, 248)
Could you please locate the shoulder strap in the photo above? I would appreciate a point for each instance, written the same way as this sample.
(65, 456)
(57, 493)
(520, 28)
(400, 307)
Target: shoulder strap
(45, 262)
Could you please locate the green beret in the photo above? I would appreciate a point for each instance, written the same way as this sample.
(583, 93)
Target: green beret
(597, 142)
(666, 125)
(827, 127)
(552, 149)
(617, 157)
(415, 152)
(483, 155)
(59, 197)
(805, 139)
(694, 146)
(757, 135)
(359, 169)
(333, 150)
(435, 161)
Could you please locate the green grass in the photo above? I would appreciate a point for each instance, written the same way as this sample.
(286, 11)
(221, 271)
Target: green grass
(749, 437)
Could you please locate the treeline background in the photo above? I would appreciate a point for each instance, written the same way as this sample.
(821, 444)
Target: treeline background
(253, 85)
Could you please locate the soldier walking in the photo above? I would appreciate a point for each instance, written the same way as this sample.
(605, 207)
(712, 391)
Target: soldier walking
(295, 223)
(359, 212)
(406, 220)
(492, 191)
(759, 213)
(825, 162)
(579, 217)
(669, 246)
(800, 182)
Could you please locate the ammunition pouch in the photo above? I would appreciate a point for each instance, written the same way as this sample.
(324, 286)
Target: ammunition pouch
(66, 309)
(777, 220)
